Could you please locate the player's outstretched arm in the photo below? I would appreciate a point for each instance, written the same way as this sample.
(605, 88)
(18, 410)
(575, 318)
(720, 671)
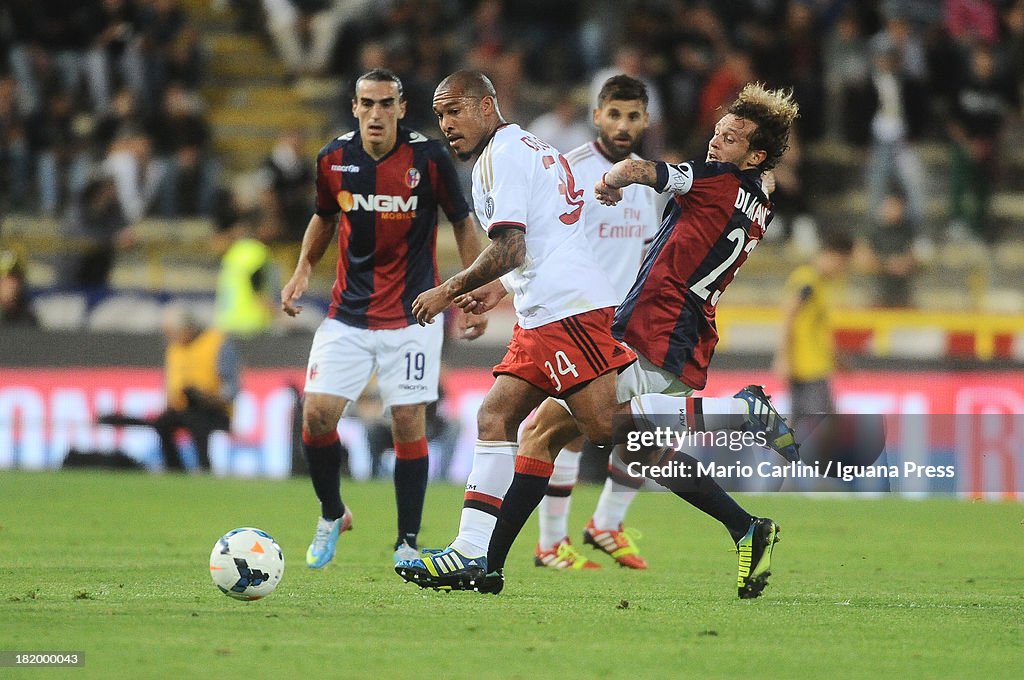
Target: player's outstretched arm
(318, 236)
(506, 251)
(608, 189)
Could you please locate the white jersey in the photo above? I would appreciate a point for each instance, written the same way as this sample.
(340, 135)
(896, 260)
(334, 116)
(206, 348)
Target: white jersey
(522, 182)
(618, 233)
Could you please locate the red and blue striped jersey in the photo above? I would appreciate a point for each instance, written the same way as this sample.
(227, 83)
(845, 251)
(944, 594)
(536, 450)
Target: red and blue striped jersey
(717, 216)
(387, 229)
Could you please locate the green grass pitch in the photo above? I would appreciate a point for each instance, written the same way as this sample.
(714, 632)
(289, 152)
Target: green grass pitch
(115, 565)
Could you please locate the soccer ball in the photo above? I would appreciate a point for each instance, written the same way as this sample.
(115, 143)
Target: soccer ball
(246, 564)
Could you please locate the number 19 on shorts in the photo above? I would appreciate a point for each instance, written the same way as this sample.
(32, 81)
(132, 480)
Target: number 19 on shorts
(563, 367)
(415, 364)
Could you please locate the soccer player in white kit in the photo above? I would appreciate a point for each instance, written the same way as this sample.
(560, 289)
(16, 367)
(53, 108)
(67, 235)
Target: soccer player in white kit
(618, 236)
(527, 199)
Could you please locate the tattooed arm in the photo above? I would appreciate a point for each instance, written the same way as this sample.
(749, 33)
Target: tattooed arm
(662, 177)
(506, 251)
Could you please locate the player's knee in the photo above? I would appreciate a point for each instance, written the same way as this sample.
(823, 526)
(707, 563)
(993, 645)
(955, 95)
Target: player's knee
(319, 419)
(408, 422)
(493, 424)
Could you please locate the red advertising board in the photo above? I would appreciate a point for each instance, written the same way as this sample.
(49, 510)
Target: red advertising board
(975, 417)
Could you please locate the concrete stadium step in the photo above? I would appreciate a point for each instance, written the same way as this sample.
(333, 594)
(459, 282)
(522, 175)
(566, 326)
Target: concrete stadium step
(252, 96)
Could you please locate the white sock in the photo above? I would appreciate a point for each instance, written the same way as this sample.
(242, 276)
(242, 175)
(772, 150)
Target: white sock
(688, 413)
(722, 413)
(615, 499)
(554, 509)
(493, 467)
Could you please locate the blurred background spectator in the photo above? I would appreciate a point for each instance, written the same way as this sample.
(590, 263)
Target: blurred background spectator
(190, 170)
(248, 284)
(981, 103)
(891, 243)
(564, 126)
(97, 218)
(14, 303)
(285, 179)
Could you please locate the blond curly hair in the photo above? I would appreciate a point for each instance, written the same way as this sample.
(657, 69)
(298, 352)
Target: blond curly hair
(774, 112)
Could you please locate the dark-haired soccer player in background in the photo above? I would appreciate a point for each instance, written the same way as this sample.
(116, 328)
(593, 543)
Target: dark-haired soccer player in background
(387, 182)
(617, 236)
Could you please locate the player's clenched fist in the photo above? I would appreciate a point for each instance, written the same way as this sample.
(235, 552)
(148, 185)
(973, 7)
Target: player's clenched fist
(605, 193)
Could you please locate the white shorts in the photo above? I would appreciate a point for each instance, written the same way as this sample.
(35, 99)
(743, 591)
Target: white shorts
(407, 361)
(643, 377)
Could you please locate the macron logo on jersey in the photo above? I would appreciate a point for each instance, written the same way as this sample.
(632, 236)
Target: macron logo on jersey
(345, 168)
(390, 207)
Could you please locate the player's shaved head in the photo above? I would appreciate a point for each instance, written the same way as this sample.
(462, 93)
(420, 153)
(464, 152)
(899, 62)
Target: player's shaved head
(469, 84)
(466, 106)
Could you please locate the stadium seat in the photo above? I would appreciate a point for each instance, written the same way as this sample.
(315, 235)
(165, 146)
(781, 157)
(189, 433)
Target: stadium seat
(60, 311)
(126, 313)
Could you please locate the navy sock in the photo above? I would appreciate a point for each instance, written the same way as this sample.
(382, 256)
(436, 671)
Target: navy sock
(524, 494)
(706, 495)
(323, 455)
(412, 466)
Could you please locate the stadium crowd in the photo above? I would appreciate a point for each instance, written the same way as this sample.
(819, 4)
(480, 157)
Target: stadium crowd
(103, 123)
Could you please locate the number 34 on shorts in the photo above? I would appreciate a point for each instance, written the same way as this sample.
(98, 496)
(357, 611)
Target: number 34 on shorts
(564, 354)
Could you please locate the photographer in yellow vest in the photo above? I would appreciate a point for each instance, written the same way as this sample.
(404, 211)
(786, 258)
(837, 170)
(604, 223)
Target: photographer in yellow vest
(247, 283)
(202, 374)
(805, 357)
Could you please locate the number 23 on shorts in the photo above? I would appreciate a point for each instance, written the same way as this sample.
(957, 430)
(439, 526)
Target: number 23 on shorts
(562, 366)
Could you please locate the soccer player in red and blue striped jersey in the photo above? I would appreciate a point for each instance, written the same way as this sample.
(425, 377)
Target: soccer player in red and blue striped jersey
(379, 188)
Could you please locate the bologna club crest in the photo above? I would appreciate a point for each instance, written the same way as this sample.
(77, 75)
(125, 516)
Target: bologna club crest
(412, 178)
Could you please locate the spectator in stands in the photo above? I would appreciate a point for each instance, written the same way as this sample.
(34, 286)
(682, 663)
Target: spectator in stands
(1012, 46)
(202, 376)
(186, 59)
(14, 299)
(899, 36)
(55, 41)
(847, 67)
(805, 356)
(136, 174)
(699, 41)
(563, 127)
(980, 106)
(123, 115)
(892, 256)
(723, 84)
(248, 281)
(160, 24)
(899, 105)
(15, 159)
(970, 21)
(61, 158)
(97, 216)
(293, 24)
(117, 48)
(287, 178)
(182, 141)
